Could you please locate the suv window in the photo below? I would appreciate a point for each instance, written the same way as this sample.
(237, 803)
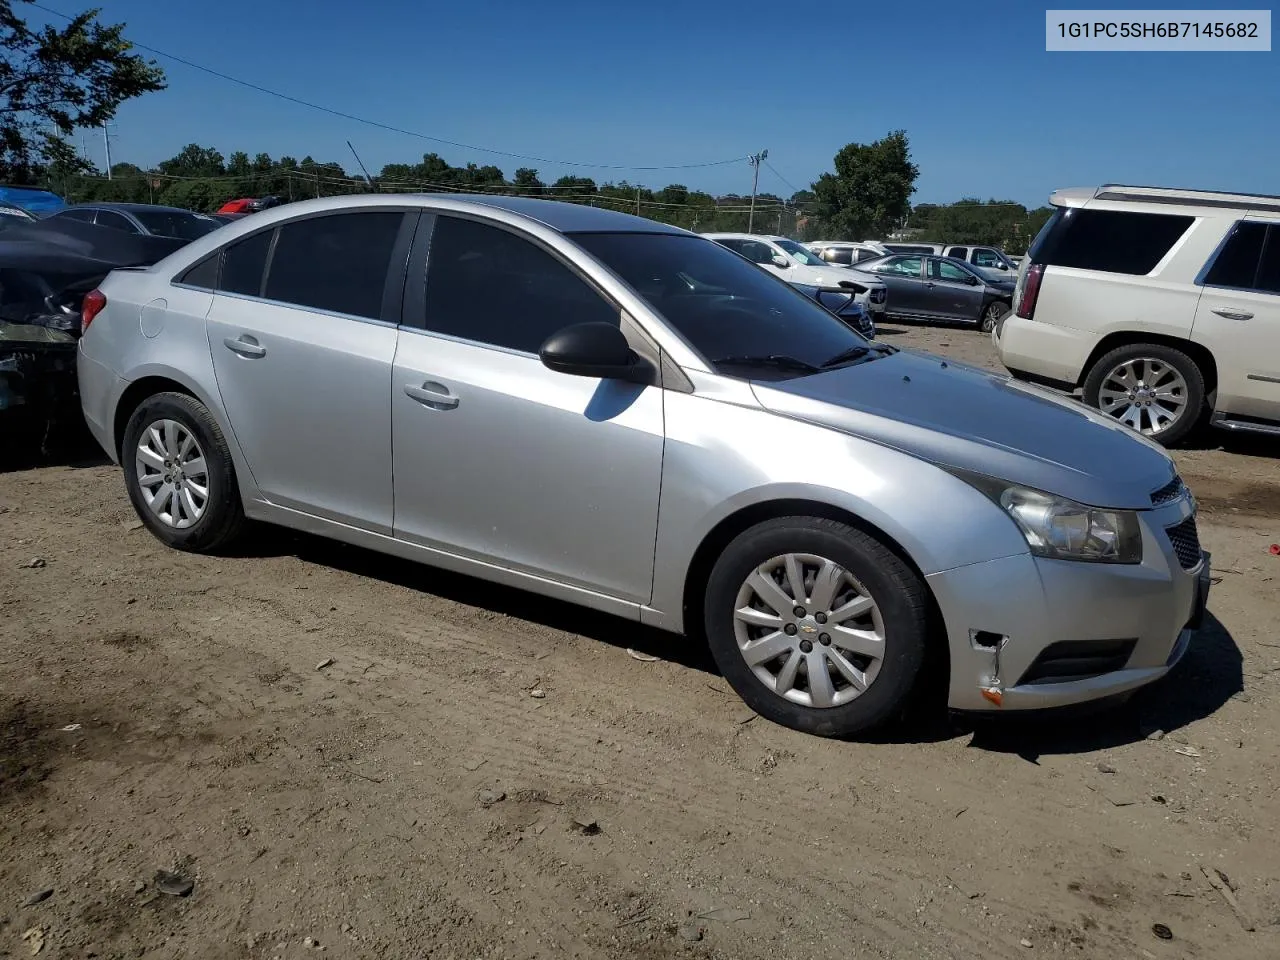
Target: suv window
(336, 263)
(864, 254)
(986, 258)
(1237, 263)
(243, 264)
(755, 251)
(1112, 241)
(838, 255)
(492, 286)
(1269, 268)
(960, 253)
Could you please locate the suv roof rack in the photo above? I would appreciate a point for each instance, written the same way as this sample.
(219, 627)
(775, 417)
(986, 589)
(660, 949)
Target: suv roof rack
(1189, 197)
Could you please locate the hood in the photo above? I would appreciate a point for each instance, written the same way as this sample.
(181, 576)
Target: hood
(960, 416)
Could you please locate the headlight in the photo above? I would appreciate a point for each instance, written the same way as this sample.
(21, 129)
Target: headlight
(1062, 529)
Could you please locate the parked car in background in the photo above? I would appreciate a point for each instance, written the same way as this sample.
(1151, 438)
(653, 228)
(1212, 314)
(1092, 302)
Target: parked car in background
(638, 421)
(35, 200)
(143, 218)
(797, 264)
(941, 288)
(922, 247)
(988, 261)
(245, 205)
(1162, 306)
(846, 253)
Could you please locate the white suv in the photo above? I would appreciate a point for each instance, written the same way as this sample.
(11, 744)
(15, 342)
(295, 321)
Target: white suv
(1162, 306)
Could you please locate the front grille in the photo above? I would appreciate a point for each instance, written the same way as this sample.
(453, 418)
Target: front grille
(879, 295)
(1168, 493)
(1069, 660)
(1186, 542)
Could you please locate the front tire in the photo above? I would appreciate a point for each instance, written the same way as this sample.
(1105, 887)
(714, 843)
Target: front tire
(179, 474)
(817, 625)
(1155, 389)
(993, 314)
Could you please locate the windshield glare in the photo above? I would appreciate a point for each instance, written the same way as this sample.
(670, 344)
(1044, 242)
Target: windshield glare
(801, 254)
(720, 303)
(171, 223)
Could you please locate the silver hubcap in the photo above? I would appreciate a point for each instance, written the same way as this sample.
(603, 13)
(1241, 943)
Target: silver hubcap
(808, 630)
(172, 474)
(1144, 393)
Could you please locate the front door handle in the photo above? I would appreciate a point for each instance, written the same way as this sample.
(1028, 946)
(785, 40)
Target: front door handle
(245, 345)
(431, 394)
(1234, 314)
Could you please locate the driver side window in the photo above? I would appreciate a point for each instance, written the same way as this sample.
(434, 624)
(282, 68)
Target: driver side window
(986, 258)
(756, 252)
(941, 270)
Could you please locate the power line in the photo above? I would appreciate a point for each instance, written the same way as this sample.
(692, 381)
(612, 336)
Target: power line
(401, 130)
(794, 188)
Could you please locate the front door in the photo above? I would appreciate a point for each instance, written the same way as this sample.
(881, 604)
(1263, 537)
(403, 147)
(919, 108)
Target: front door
(500, 459)
(952, 292)
(302, 349)
(1238, 319)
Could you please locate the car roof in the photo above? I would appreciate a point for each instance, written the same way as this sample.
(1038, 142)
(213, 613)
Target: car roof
(744, 236)
(1177, 196)
(132, 207)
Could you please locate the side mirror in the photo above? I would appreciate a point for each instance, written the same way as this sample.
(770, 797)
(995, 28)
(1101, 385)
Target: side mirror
(971, 280)
(778, 260)
(594, 350)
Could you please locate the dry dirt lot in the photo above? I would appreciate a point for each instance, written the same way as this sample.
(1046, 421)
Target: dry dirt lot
(414, 798)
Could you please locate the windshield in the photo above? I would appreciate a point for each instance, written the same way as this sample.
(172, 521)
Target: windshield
(174, 223)
(801, 254)
(722, 304)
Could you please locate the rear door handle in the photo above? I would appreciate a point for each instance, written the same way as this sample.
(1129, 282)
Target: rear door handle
(431, 394)
(1234, 314)
(245, 345)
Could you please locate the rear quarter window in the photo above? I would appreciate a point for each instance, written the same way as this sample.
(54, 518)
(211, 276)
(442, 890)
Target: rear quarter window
(1111, 241)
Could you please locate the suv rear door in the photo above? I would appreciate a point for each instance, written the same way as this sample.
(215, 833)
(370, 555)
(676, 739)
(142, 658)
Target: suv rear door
(1238, 320)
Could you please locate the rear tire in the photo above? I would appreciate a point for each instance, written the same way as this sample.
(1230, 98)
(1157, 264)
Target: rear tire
(993, 314)
(865, 625)
(1167, 408)
(179, 474)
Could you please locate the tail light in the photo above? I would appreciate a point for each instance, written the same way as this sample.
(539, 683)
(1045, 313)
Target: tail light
(1030, 291)
(90, 307)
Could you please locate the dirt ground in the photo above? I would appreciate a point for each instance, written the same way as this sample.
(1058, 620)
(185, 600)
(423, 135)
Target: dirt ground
(416, 798)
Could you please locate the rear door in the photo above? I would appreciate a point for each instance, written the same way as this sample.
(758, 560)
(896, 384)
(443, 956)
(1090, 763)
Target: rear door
(303, 334)
(1238, 320)
(500, 459)
(902, 276)
(951, 292)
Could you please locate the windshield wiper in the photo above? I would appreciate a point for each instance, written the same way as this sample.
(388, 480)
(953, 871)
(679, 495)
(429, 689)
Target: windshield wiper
(778, 361)
(856, 352)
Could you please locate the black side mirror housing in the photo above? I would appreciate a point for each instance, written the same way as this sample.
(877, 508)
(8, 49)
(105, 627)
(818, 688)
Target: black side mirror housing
(595, 350)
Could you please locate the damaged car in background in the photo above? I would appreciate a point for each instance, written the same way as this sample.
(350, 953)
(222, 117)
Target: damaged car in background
(46, 269)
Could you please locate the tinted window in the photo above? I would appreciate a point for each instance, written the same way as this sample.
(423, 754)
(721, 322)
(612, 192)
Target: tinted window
(243, 264)
(173, 223)
(755, 251)
(204, 274)
(84, 216)
(723, 306)
(838, 255)
(1237, 263)
(1269, 268)
(337, 263)
(961, 253)
(116, 222)
(491, 286)
(1113, 241)
(941, 270)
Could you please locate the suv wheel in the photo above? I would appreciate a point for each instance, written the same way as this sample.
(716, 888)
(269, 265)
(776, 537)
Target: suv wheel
(991, 316)
(179, 474)
(817, 625)
(1155, 389)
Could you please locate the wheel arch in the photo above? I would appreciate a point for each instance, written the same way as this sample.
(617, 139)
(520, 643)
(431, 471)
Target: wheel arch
(1199, 353)
(722, 534)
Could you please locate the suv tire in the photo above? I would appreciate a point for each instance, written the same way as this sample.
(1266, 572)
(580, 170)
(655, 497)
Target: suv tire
(840, 569)
(179, 474)
(1171, 372)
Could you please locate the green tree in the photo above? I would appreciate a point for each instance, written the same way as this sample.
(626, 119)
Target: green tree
(526, 182)
(54, 80)
(870, 192)
(194, 160)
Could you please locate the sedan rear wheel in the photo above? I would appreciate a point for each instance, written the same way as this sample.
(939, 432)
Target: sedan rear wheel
(817, 625)
(992, 315)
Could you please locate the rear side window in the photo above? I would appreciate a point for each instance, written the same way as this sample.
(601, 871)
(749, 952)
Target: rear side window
(1112, 241)
(204, 274)
(1269, 268)
(488, 285)
(838, 255)
(243, 264)
(960, 253)
(1237, 263)
(336, 263)
(867, 255)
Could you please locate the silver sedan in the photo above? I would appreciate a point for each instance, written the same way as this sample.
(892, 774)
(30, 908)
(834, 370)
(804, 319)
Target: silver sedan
(629, 417)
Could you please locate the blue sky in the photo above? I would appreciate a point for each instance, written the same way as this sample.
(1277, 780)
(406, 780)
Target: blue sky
(988, 111)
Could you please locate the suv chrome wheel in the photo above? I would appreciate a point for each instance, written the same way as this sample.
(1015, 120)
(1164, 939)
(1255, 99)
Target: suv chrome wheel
(808, 630)
(1145, 393)
(172, 474)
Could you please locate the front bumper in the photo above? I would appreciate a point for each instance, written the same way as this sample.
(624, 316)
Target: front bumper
(1030, 633)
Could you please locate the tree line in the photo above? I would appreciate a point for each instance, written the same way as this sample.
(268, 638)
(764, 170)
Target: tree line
(57, 80)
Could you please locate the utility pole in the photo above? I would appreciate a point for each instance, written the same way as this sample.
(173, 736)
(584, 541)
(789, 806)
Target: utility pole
(755, 160)
(106, 142)
(637, 201)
